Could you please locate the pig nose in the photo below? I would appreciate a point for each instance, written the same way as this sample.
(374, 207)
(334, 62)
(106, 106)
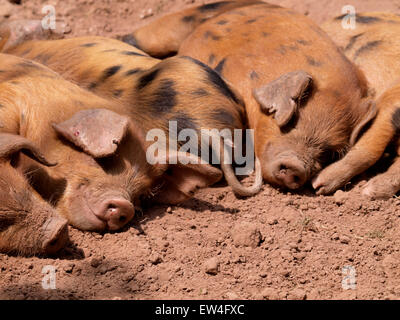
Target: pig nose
(56, 235)
(117, 213)
(290, 173)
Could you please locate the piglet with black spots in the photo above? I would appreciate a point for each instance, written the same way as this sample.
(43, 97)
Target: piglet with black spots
(305, 100)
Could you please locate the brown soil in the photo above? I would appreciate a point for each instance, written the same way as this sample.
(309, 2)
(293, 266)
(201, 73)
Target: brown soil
(277, 245)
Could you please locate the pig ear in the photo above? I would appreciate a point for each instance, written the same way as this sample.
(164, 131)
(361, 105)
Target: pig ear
(98, 132)
(282, 95)
(179, 182)
(11, 144)
(368, 110)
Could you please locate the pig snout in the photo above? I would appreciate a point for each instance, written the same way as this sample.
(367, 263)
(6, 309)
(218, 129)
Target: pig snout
(115, 212)
(289, 172)
(55, 235)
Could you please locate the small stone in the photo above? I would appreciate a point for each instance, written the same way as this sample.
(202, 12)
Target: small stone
(69, 267)
(246, 235)
(270, 294)
(340, 197)
(203, 291)
(95, 262)
(169, 210)
(297, 294)
(146, 13)
(155, 258)
(133, 286)
(211, 266)
(272, 222)
(335, 236)
(231, 296)
(344, 239)
(108, 28)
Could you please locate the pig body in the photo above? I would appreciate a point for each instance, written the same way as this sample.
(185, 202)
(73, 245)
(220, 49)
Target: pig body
(303, 97)
(154, 93)
(374, 45)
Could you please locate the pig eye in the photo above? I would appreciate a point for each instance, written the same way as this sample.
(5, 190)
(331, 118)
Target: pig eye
(108, 163)
(328, 156)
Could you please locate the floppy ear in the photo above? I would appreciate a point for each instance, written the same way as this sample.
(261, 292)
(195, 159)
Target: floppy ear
(180, 181)
(368, 111)
(282, 95)
(11, 144)
(98, 132)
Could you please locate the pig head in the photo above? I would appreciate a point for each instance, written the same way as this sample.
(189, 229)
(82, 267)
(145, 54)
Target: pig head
(28, 224)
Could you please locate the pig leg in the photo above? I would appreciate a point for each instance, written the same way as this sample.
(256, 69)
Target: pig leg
(368, 149)
(384, 185)
(282, 96)
(163, 37)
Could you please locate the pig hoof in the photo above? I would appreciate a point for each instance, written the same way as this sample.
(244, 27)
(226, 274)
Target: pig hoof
(374, 190)
(55, 233)
(324, 186)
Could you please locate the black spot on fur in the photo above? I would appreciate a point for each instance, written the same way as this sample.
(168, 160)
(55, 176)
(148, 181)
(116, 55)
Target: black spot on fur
(209, 34)
(133, 53)
(147, 79)
(130, 39)
(164, 98)
(184, 121)
(92, 85)
(223, 117)
(109, 50)
(188, 19)
(367, 47)
(213, 6)
(361, 19)
(132, 71)
(220, 67)
(217, 81)
(109, 72)
(352, 41)
(222, 22)
(254, 75)
(396, 119)
(303, 42)
(89, 45)
(312, 62)
(201, 93)
(251, 21)
(366, 19)
(211, 59)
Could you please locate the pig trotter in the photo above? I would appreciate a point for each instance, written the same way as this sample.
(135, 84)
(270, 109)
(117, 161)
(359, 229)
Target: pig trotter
(331, 178)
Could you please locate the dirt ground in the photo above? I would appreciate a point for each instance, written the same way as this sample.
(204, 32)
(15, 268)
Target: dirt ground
(277, 245)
